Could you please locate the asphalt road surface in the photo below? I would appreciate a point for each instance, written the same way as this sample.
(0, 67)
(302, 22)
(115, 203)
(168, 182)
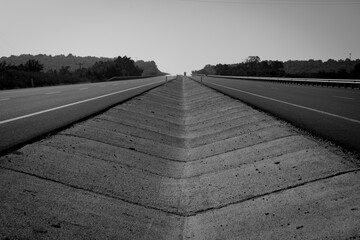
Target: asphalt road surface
(26, 114)
(332, 113)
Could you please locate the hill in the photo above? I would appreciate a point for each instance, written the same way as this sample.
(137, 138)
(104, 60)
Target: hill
(292, 68)
(74, 62)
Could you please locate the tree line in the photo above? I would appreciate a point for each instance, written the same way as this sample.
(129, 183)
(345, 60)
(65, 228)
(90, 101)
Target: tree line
(253, 66)
(31, 73)
(75, 62)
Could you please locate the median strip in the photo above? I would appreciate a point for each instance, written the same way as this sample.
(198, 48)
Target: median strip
(181, 161)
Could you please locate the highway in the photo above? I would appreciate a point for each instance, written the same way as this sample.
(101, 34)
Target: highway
(27, 114)
(182, 161)
(331, 113)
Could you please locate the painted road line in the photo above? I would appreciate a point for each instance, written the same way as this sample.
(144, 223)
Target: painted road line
(4, 99)
(344, 97)
(83, 88)
(102, 86)
(51, 93)
(72, 104)
(291, 104)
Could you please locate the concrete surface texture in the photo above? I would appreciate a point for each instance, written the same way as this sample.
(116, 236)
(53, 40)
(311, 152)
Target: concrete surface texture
(181, 161)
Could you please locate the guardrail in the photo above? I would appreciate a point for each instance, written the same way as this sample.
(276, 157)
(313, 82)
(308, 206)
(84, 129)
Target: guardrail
(351, 83)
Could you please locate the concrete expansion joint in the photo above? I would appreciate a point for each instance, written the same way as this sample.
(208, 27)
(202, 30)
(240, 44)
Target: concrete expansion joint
(116, 145)
(251, 198)
(92, 191)
(176, 211)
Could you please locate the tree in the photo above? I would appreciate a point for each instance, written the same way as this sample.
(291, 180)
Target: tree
(33, 66)
(253, 59)
(3, 66)
(222, 69)
(121, 66)
(64, 70)
(355, 73)
(127, 66)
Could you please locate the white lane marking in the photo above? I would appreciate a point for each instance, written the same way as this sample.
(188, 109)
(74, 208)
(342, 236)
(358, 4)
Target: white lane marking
(51, 93)
(344, 97)
(75, 103)
(4, 99)
(292, 104)
(102, 86)
(115, 84)
(84, 88)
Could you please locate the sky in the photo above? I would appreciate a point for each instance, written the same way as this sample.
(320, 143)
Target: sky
(183, 35)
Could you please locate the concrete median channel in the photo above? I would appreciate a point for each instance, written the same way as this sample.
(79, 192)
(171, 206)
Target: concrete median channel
(181, 161)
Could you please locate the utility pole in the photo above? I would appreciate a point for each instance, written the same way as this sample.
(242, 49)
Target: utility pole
(350, 56)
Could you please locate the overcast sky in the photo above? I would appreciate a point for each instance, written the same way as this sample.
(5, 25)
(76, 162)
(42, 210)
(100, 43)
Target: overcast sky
(182, 35)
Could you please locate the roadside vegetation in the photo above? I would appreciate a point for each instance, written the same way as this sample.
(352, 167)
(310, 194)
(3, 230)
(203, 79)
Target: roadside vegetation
(253, 66)
(23, 71)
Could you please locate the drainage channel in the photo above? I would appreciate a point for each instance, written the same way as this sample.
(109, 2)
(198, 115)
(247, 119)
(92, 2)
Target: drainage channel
(181, 161)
